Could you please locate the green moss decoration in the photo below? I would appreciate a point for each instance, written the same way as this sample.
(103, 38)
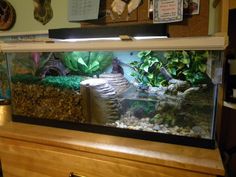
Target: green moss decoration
(69, 82)
(25, 78)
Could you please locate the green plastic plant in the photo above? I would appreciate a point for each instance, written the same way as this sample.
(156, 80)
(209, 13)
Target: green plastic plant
(183, 65)
(87, 63)
(32, 62)
(187, 65)
(147, 70)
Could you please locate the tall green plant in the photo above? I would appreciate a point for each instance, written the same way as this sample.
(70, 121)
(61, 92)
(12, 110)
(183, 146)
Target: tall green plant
(147, 70)
(187, 65)
(184, 65)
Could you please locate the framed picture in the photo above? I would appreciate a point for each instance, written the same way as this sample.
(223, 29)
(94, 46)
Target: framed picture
(167, 11)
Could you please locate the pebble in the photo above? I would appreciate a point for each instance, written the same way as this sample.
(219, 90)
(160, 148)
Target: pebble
(144, 125)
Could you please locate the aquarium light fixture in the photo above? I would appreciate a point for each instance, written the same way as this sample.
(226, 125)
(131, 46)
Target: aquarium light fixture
(138, 32)
(89, 39)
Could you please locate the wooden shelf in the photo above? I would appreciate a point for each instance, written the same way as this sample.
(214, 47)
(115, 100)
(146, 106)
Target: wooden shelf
(230, 105)
(198, 160)
(188, 43)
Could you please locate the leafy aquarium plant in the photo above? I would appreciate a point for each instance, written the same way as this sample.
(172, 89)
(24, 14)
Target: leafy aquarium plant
(188, 66)
(147, 70)
(87, 63)
(32, 62)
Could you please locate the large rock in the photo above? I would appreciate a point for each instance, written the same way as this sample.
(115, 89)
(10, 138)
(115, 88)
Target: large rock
(100, 101)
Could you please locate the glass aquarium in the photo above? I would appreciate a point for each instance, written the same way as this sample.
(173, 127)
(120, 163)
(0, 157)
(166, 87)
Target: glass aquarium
(5, 96)
(165, 96)
(4, 82)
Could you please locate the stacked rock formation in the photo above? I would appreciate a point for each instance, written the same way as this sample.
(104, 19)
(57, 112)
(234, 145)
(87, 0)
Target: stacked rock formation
(100, 100)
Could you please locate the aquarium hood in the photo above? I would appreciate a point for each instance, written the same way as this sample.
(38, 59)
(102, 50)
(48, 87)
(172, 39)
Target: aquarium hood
(128, 32)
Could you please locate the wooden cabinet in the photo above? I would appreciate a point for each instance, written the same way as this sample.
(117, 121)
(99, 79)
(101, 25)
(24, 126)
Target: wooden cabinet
(30, 150)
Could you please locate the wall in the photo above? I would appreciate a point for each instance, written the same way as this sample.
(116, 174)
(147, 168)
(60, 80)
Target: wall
(25, 21)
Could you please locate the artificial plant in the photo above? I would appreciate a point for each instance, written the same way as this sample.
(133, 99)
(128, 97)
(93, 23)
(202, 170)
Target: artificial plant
(87, 63)
(32, 63)
(189, 66)
(147, 70)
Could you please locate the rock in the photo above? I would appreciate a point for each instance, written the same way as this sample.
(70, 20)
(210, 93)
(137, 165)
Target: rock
(180, 85)
(199, 131)
(101, 99)
(156, 127)
(190, 91)
(117, 81)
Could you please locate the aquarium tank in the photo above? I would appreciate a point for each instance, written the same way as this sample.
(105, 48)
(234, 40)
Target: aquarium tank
(4, 82)
(155, 95)
(5, 93)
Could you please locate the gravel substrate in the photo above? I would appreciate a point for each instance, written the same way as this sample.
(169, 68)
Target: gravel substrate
(40, 101)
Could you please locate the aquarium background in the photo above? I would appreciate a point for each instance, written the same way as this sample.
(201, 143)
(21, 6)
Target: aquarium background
(167, 92)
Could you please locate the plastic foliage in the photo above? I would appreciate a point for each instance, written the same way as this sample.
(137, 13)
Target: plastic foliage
(87, 63)
(147, 70)
(33, 62)
(189, 66)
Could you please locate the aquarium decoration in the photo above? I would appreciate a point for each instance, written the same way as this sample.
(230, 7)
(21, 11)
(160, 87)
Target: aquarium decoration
(148, 93)
(87, 63)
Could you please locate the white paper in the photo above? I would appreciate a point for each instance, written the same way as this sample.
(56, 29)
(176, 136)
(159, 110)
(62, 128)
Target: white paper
(167, 11)
(80, 10)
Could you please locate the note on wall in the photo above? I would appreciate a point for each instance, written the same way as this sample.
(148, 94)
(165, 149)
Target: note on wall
(167, 11)
(80, 10)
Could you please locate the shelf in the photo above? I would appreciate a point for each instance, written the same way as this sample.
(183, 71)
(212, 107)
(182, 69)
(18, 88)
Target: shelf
(188, 43)
(230, 105)
(203, 161)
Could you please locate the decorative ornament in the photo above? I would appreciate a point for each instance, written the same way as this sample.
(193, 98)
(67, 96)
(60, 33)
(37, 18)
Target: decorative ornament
(118, 6)
(133, 4)
(43, 11)
(7, 15)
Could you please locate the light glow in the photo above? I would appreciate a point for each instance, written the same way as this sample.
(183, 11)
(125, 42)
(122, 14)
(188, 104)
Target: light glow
(109, 39)
(149, 37)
